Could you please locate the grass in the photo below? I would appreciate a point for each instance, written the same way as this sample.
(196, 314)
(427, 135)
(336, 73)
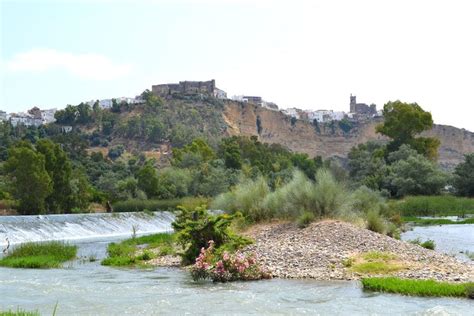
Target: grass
(39, 255)
(19, 312)
(418, 287)
(435, 221)
(429, 244)
(125, 252)
(441, 205)
(374, 262)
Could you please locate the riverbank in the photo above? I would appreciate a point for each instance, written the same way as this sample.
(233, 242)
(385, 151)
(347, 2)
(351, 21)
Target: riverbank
(326, 250)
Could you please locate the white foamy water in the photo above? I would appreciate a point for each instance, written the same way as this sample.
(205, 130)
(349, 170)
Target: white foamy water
(36, 228)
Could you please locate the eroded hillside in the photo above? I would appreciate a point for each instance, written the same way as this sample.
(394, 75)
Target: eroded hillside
(330, 140)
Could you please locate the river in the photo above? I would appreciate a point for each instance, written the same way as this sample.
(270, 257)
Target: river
(87, 288)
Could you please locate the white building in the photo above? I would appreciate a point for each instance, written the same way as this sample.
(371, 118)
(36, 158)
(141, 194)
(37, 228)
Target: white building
(47, 116)
(325, 115)
(293, 112)
(107, 103)
(25, 119)
(220, 94)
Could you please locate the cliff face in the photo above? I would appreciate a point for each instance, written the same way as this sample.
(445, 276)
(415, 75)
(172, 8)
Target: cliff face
(330, 141)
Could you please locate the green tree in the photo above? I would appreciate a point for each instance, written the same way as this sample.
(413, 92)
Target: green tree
(464, 176)
(403, 122)
(414, 175)
(30, 182)
(59, 169)
(148, 180)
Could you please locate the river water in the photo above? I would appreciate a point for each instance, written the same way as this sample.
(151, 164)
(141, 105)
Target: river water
(87, 288)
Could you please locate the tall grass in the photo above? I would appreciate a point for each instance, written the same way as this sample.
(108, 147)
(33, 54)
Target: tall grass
(442, 205)
(417, 287)
(39, 255)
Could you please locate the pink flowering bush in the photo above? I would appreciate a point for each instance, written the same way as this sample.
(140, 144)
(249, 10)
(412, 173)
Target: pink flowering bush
(226, 267)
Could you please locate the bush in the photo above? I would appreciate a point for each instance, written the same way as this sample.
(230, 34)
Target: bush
(247, 197)
(375, 222)
(331, 197)
(292, 199)
(305, 219)
(429, 244)
(19, 312)
(226, 267)
(39, 255)
(196, 228)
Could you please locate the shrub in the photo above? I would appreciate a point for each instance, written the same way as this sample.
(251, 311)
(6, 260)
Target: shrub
(331, 197)
(375, 222)
(429, 244)
(196, 228)
(39, 255)
(305, 219)
(293, 198)
(365, 200)
(226, 267)
(418, 287)
(247, 197)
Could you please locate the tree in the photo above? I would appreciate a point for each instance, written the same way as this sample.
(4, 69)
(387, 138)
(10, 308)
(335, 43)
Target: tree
(402, 122)
(59, 169)
(464, 176)
(414, 174)
(66, 116)
(30, 182)
(148, 180)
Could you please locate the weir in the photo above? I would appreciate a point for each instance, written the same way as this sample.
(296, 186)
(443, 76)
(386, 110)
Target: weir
(37, 228)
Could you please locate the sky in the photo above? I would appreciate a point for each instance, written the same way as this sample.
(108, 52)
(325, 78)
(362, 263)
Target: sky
(304, 54)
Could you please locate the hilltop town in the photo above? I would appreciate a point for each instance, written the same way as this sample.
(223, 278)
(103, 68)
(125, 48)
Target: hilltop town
(357, 111)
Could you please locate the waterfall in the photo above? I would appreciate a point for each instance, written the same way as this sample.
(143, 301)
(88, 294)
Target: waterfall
(36, 228)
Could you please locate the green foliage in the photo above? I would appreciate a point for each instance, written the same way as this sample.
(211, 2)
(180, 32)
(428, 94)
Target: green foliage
(115, 152)
(134, 205)
(464, 176)
(305, 219)
(331, 197)
(428, 244)
(443, 205)
(416, 287)
(39, 255)
(367, 165)
(376, 262)
(19, 312)
(199, 149)
(402, 122)
(415, 175)
(148, 180)
(436, 221)
(375, 222)
(345, 125)
(247, 197)
(30, 182)
(126, 252)
(196, 228)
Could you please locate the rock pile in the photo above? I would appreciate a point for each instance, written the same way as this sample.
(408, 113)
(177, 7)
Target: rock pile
(321, 250)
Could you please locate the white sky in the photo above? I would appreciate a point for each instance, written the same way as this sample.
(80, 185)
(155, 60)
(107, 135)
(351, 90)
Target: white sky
(305, 54)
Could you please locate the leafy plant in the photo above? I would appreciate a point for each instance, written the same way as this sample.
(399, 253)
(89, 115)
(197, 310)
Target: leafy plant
(196, 228)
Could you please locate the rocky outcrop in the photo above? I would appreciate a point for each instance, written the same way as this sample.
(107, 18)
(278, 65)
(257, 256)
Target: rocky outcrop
(329, 140)
(321, 251)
